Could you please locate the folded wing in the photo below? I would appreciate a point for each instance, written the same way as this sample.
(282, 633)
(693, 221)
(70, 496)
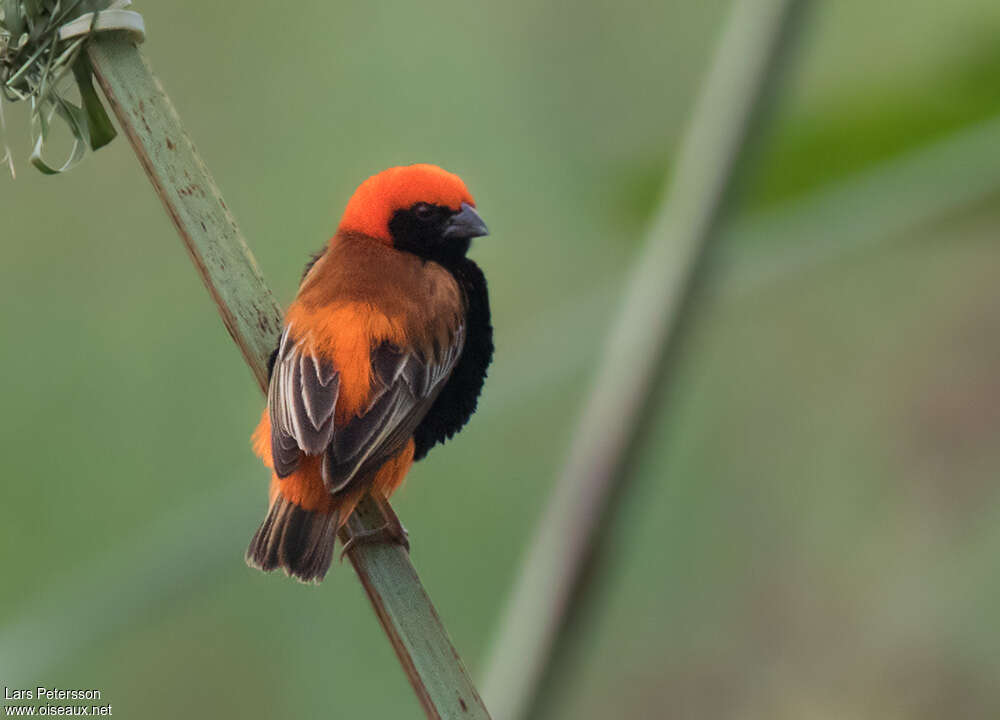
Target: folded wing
(302, 399)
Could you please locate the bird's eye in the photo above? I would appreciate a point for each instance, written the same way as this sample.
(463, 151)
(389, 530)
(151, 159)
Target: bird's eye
(424, 212)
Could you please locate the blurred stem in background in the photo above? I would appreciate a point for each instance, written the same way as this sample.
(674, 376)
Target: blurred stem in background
(666, 275)
(253, 319)
(889, 202)
(812, 505)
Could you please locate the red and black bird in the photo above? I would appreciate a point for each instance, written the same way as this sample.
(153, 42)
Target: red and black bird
(383, 355)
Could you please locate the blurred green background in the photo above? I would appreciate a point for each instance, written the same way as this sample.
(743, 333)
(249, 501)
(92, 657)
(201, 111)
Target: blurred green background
(813, 529)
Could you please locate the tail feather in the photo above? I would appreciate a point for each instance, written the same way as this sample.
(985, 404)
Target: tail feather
(297, 540)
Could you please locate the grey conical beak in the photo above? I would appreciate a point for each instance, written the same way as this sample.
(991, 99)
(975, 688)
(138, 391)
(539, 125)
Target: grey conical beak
(465, 224)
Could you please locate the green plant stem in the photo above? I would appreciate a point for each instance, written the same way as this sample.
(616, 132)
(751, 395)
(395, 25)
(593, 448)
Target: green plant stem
(550, 585)
(890, 201)
(253, 319)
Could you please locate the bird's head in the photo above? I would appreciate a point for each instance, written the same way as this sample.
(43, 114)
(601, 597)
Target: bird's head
(420, 209)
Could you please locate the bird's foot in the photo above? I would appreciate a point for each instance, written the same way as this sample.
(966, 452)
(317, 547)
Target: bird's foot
(390, 532)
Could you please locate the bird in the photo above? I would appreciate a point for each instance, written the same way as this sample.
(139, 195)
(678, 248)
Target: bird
(383, 355)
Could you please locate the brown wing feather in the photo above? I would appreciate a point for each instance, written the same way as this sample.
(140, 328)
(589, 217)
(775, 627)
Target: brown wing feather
(300, 399)
(303, 394)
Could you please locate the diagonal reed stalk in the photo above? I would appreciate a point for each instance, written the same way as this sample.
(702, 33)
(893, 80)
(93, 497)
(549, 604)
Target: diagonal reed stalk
(253, 319)
(890, 201)
(551, 581)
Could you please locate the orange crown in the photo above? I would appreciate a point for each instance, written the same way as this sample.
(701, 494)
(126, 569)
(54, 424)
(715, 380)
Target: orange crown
(376, 200)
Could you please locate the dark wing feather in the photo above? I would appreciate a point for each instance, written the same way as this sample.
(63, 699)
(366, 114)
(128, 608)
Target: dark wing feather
(303, 394)
(300, 398)
(404, 388)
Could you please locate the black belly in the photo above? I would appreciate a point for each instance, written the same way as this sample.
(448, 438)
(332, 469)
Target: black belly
(458, 399)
